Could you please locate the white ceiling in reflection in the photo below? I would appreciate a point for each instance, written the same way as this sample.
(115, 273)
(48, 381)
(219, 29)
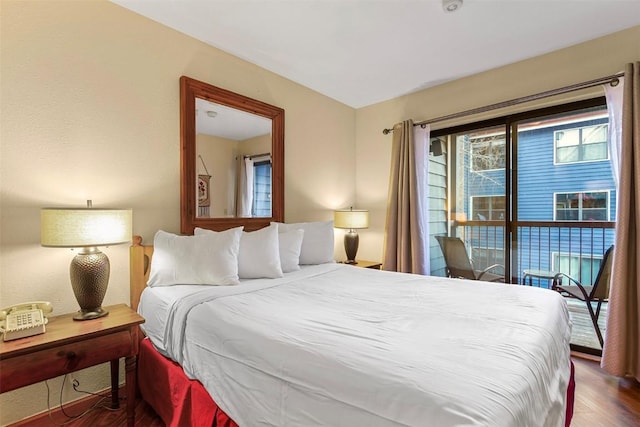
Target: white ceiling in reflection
(222, 121)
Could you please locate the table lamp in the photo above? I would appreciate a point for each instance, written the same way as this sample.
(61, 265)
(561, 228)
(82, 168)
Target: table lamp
(352, 220)
(86, 229)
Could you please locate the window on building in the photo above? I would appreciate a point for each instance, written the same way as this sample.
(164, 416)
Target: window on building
(487, 208)
(586, 144)
(582, 267)
(586, 206)
(487, 152)
(261, 189)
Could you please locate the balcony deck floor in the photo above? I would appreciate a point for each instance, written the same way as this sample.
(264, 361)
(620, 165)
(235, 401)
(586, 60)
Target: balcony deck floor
(583, 333)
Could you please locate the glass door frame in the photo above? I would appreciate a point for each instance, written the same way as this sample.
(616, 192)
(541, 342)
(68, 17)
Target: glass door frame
(510, 123)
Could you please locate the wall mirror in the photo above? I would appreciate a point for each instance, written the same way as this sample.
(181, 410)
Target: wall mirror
(232, 159)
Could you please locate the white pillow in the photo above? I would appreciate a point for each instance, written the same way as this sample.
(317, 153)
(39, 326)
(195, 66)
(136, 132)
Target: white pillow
(259, 255)
(317, 244)
(290, 245)
(210, 259)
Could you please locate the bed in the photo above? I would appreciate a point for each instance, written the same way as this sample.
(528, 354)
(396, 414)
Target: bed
(330, 345)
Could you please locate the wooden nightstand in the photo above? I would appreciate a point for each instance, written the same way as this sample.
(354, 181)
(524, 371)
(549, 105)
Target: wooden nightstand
(366, 264)
(69, 345)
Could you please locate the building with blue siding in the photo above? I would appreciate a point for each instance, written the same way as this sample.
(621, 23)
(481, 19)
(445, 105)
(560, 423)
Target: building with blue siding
(565, 194)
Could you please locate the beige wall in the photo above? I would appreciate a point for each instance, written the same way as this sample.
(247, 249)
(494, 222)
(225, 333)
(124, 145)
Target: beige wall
(587, 61)
(219, 156)
(258, 145)
(89, 101)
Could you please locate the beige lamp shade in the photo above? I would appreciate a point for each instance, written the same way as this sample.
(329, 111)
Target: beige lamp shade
(351, 219)
(84, 227)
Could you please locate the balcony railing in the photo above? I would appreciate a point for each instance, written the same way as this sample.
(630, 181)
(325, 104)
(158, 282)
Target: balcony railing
(574, 248)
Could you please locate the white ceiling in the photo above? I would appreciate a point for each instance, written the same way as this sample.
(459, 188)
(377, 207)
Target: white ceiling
(229, 123)
(360, 52)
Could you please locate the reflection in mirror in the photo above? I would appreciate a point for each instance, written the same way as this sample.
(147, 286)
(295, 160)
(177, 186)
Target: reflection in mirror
(231, 157)
(234, 162)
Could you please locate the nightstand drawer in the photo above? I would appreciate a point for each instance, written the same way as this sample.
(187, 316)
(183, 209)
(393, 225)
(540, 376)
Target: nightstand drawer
(41, 365)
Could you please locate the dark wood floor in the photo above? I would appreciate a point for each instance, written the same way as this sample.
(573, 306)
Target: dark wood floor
(601, 401)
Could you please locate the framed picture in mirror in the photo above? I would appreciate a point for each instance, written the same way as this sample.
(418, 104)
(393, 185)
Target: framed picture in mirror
(204, 197)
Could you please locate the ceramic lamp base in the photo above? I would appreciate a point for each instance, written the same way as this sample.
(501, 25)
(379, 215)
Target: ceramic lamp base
(89, 274)
(90, 314)
(351, 246)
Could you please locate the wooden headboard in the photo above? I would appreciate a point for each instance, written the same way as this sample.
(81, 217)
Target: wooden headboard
(140, 265)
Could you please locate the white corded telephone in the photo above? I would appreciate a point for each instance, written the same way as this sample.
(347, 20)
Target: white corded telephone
(24, 320)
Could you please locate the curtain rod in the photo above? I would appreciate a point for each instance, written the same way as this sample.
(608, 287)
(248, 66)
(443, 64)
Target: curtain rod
(613, 80)
(256, 155)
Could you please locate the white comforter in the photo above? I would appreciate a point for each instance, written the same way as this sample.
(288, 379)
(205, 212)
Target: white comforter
(334, 345)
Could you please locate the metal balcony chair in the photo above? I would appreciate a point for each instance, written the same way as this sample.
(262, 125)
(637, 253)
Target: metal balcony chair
(459, 265)
(597, 293)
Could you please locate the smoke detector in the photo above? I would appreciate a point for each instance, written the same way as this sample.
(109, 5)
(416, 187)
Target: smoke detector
(451, 5)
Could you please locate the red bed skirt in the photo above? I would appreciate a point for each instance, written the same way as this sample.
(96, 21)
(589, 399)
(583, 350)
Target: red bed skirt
(180, 401)
(571, 394)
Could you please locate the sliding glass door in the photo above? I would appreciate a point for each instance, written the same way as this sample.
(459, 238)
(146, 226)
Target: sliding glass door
(534, 192)
(565, 205)
(478, 193)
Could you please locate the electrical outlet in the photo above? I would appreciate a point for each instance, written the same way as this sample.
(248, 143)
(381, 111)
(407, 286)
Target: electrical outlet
(72, 382)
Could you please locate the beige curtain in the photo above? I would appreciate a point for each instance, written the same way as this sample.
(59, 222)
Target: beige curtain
(406, 235)
(621, 352)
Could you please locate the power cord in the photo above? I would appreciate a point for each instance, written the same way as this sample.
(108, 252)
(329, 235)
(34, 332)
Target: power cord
(71, 418)
(75, 384)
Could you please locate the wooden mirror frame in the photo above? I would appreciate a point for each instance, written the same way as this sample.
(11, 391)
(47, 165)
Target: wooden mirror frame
(191, 89)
